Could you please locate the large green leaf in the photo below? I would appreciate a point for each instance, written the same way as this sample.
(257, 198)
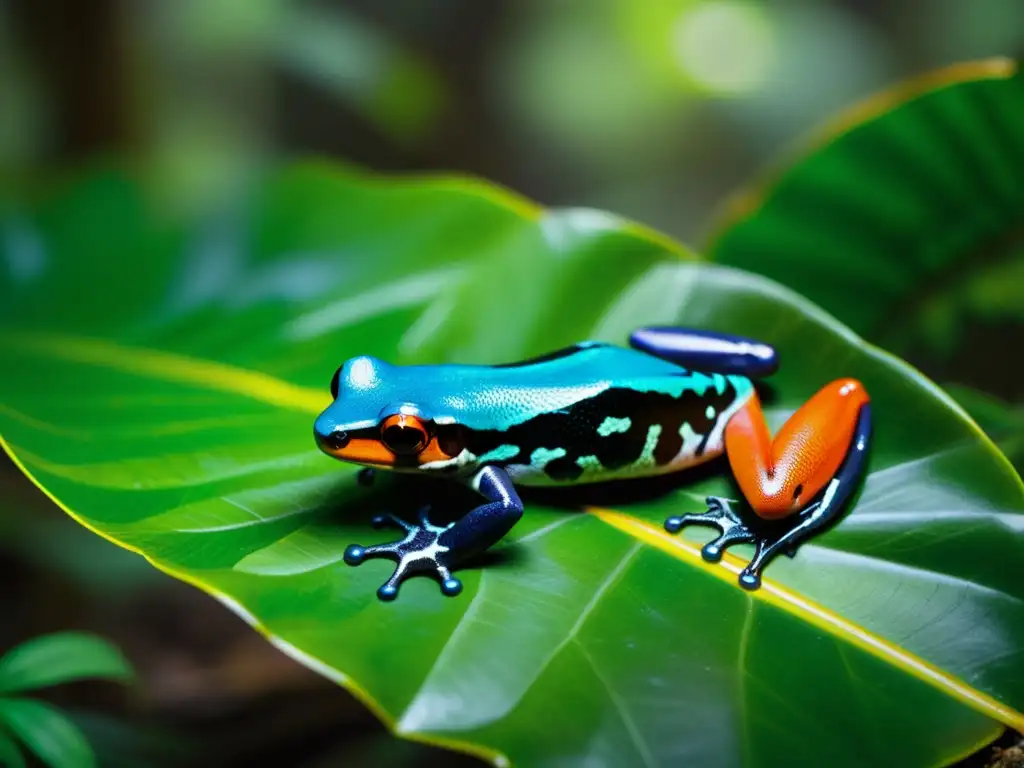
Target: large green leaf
(161, 381)
(906, 218)
(61, 658)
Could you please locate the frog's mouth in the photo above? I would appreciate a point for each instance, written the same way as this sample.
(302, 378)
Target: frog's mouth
(361, 446)
(364, 446)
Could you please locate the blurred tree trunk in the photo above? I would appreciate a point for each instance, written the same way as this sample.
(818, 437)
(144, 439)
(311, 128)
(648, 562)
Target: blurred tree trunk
(80, 51)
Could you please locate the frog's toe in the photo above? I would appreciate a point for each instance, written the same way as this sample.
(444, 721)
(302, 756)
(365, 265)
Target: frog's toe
(390, 521)
(750, 579)
(449, 584)
(676, 523)
(387, 592)
(711, 552)
(736, 534)
(424, 517)
(723, 508)
(354, 554)
(719, 515)
(419, 552)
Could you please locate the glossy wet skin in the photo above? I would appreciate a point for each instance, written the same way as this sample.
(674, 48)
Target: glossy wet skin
(586, 414)
(399, 440)
(591, 413)
(778, 477)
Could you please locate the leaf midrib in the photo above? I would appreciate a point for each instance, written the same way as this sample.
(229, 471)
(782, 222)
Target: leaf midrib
(813, 613)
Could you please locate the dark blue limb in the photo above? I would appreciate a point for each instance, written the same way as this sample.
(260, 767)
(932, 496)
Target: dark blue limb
(707, 350)
(434, 549)
(487, 524)
(771, 538)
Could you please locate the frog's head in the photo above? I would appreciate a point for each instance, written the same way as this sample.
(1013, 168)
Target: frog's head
(373, 421)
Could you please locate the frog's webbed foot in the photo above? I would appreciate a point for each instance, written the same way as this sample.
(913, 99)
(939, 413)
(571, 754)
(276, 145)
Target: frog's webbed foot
(769, 539)
(773, 522)
(419, 552)
(720, 515)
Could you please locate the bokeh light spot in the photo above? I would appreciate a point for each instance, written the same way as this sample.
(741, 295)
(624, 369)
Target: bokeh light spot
(724, 46)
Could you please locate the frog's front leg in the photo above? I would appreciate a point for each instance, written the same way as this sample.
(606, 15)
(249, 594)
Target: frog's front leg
(796, 483)
(428, 548)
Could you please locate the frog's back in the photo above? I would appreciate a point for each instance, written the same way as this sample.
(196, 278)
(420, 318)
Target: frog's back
(589, 359)
(589, 412)
(589, 362)
(501, 396)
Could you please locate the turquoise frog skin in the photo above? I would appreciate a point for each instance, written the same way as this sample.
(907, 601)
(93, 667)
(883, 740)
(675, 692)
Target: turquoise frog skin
(590, 413)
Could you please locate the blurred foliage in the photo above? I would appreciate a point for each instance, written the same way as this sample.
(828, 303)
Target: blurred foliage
(392, 87)
(1003, 422)
(42, 728)
(905, 217)
(60, 658)
(655, 109)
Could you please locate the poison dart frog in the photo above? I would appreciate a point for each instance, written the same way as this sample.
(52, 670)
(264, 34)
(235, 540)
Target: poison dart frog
(593, 412)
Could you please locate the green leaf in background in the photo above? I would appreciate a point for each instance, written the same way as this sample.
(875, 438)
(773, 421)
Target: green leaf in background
(164, 375)
(47, 732)
(132, 744)
(1001, 421)
(10, 752)
(399, 91)
(906, 218)
(61, 658)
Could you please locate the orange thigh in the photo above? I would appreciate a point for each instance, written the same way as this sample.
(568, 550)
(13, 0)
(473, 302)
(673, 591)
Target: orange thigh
(778, 477)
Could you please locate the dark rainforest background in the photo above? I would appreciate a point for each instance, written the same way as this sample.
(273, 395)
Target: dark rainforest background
(658, 110)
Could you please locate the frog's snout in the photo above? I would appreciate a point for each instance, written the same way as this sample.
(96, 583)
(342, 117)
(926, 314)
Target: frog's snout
(336, 440)
(329, 438)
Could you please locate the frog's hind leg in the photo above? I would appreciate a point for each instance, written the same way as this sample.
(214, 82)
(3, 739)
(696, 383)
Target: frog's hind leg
(780, 477)
(796, 483)
(707, 350)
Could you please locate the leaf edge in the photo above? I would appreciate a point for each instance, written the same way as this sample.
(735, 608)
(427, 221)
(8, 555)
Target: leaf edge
(745, 202)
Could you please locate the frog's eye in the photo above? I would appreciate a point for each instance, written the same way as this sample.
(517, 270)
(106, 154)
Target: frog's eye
(335, 381)
(404, 434)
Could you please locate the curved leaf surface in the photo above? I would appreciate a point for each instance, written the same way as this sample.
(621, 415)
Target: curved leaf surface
(47, 732)
(1001, 421)
(10, 752)
(906, 217)
(163, 377)
(61, 658)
